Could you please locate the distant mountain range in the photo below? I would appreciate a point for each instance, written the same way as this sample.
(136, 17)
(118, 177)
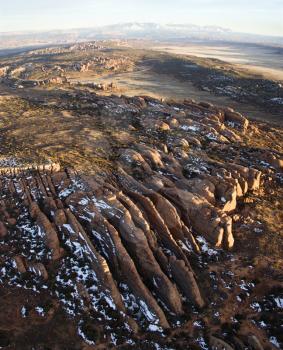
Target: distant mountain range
(148, 31)
(158, 31)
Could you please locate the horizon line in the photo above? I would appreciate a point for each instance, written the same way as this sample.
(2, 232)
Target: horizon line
(31, 31)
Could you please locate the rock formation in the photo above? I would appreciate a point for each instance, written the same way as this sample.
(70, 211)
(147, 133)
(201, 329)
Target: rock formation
(126, 249)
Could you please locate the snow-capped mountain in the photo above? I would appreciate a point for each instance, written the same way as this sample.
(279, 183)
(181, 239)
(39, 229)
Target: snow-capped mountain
(134, 30)
(158, 31)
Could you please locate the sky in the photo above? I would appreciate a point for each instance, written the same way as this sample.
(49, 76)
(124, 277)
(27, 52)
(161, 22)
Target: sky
(249, 16)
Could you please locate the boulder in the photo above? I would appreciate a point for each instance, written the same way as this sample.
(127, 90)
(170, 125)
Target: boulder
(219, 344)
(151, 155)
(186, 281)
(193, 141)
(174, 123)
(3, 230)
(20, 264)
(133, 159)
(255, 343)
(251, 175)
(237, 118)
(38, 269)
(201, 186)
(273, 160)
(163, 126)
(60, 218)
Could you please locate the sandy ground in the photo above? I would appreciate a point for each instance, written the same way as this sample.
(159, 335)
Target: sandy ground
(264, 61)
(145, 82)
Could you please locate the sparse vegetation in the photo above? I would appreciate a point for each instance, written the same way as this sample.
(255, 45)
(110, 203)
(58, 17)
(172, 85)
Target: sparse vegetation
(125, 219)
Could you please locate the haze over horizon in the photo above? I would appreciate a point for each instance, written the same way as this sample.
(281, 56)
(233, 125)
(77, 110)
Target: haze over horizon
(256, 16)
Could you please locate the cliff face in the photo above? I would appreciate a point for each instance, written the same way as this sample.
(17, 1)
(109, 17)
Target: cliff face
(164, 240)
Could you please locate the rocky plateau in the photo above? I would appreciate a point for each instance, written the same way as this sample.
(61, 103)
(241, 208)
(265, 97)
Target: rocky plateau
(173, 240)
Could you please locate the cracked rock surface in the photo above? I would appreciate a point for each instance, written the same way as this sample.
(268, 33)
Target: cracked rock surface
(158, 249)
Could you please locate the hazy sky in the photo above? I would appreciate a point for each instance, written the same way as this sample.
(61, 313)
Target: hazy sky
(252, 16)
